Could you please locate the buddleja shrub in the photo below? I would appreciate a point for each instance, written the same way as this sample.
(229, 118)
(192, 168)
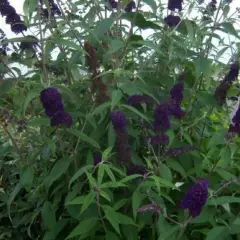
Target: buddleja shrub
(111, 132)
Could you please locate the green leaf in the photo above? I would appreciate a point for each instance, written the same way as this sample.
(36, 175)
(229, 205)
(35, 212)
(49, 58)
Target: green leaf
(112, 217)
(105, 195)
(111, 236)
(28, 99)
(229, 29)
(116, 97)
(164, 182)
(115, 45)
(165, 172)
(119, 204)
(84, 227)
(223, 200)
(72, 96)
(139, 20)
(225, 155)
(29, 7)
(225, 175)
(102, 26)
(84, 137)
(110, 173)
(5, 86)
(217, 139)
(59, 168)
(111, 136)
(125, 220)
(12, 196)
(77, 201)
(42, 121)
(137, 112)
(27, 176)
(176, 166)
(48, 216)
(218, 232)
(112, 185)
(130, 178)
(79, 173)
(67, 43)
(106, 153)
(91, 180)
(136, 202)
(88, 200)
(101, 169)
(98, 110)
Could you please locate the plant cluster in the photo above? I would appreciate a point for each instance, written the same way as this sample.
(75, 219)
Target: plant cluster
(110, 133)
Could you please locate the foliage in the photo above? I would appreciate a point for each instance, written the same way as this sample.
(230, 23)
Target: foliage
(135, 140)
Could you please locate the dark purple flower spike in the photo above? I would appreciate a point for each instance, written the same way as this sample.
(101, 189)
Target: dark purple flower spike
(196, 197)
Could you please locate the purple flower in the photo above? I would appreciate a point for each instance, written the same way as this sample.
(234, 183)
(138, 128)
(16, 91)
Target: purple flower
(97, 158)
(61, 118)
(52, 101)
(176, 111)
(13, 18)
(122, 148)
(235, 126)
(55, 10)
(7, 9)
(49, 95)
(18, 27)
(175, 152)
(221, 92)
(236, 118)
(137, 99)
(118, 120)
(161, 117)
(196, 197)
(136, 169)
(4, 2)
(172, 21)
(153, 207)
(130, 6)
(51, 109)
(175, 4)
(176, 93)
(162, 139)
(113, 4)
(233, 73)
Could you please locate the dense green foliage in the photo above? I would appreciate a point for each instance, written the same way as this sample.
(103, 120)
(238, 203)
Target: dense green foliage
(50, 187)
